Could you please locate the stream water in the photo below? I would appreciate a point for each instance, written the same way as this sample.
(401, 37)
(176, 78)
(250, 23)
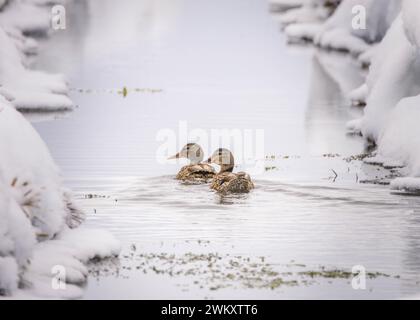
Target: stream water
(221, 65)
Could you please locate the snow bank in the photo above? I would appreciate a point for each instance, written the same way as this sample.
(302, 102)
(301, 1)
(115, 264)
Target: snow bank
(306, 11)
(27, 89)
(69, 252)
(329, 23)
(406, 185)
(393, 100)
(37, 214)
(338, 31)
(400, 138)
(28, 16)
(390, 48)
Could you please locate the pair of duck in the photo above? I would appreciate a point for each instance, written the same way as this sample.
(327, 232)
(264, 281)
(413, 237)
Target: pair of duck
(225, 181)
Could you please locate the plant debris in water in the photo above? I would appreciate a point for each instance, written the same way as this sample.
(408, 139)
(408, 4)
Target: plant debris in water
(124, 91)
(215, 271)
(357, 157)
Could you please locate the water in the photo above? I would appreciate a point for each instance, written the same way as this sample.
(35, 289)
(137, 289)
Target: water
(220, 65)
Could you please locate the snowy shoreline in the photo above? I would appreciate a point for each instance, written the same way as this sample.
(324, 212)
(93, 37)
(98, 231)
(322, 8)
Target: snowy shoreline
(389, 47)
(39, 220)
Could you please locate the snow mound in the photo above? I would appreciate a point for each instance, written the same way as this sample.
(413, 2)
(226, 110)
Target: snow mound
(69, 252)
(27, 89)
(358, 96)
(302, 31)
(330, 23)
(15, 14)
(392, 111)
(407, 184)
(390, 47)
(37, 214)
(400, 139)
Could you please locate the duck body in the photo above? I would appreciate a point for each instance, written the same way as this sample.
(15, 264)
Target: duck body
(196, 173)
(226, 181)
(229, 182)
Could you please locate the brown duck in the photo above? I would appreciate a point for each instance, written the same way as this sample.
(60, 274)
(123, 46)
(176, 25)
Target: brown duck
(226, 181)
(195, 172)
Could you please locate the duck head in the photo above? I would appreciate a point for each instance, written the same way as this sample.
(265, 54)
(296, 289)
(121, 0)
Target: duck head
(223, 158)
(192, 152)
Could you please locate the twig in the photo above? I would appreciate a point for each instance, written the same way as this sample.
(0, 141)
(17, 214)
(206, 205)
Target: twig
(335, 175)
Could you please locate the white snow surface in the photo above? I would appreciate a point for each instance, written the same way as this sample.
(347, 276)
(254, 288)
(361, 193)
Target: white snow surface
(314, 21)
(25, 88)
(393, 102)
(390, 47)
(36, 214)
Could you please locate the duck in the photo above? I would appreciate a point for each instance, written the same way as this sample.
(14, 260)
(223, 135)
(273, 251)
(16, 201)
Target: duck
(226, 181)
(196, 171)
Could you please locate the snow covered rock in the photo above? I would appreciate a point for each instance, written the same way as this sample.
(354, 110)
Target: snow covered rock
(306, 11)
(30, 172)
(390, 47)
(339, 33)
(37, 213)
(27, 16)
(27, 89)
(313, 22)
(406, 185)
(393, 94)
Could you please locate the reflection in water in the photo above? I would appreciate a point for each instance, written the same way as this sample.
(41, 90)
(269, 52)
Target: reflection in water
(333, 75)
(220, 64)
(411, 257)
(40, 116)
(68, 44)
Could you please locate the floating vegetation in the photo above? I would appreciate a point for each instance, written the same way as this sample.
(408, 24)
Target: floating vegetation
(124, 91)
(331, 155)
(380, 182)
(95, 196)
(270, 168)
(214, 271)
(357, 157)
(277, 157)
(340, 274)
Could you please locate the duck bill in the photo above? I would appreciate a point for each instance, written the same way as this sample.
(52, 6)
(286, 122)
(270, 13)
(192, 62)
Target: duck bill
(174, 157)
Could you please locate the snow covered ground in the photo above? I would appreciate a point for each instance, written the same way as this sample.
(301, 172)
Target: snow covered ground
(389, 47)
(25, 88)
(38, 216)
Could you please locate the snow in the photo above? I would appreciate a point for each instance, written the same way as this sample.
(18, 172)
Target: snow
(283, 5)
(400, 139)
(392, 111)
(71, 250)
(313, 21)
(25, 88)
(38, 215)
(16, 14)
(39, 218)
(358, 96)
(407, 184)
(303, 31)
(389, 47)
(304, 12)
